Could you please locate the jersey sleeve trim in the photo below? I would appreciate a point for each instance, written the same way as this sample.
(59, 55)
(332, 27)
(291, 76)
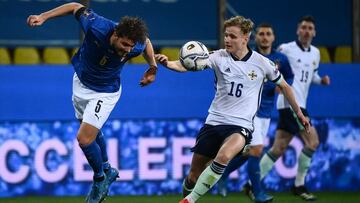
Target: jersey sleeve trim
(277, 80)
(79, 12)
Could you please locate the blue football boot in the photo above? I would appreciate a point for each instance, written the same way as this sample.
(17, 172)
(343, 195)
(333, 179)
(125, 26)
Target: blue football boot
(111, 176)
(222, 190)
(98, 192)
(262, 197)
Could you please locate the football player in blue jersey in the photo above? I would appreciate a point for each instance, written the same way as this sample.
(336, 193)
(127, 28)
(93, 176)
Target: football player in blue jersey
(107, 46)
(264, 38)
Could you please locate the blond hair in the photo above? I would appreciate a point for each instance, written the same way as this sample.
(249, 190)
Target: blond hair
(245, 24)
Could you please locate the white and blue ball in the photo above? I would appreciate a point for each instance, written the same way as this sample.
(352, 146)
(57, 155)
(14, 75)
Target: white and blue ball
(194, 56)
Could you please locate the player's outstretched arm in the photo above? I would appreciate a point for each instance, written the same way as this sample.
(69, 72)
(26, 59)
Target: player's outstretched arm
(172, 65)
(289, 94)
(38, 20)
(321, 80)
(149, 75)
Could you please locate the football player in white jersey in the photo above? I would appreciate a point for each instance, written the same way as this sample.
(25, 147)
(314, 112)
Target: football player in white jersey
(264, 38)
(240, 74)
(304, 60)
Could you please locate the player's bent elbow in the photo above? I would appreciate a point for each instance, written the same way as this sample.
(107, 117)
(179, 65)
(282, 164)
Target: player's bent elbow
(75, 6)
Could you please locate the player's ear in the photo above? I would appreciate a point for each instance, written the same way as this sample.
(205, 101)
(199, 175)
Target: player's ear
(314, 33)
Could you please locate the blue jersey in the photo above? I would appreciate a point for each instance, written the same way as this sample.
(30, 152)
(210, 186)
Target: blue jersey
(96, 63)
(268, 93)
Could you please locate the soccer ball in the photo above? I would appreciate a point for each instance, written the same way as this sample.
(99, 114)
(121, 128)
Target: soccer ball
(194, 56)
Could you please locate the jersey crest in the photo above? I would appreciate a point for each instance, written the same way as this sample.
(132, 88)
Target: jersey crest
(252, 75)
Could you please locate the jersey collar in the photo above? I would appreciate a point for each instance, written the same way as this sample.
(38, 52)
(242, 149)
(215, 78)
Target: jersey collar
(245, 58)
(301, 46)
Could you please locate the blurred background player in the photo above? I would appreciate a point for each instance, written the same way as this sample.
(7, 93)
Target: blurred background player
(96, 84)
(304, 60)
(240, 73)
(264, 38)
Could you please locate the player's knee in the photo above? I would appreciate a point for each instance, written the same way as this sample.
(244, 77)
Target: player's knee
(83, 140)
(279, 150)
(224, 158)
(256, 150)
(313, 144)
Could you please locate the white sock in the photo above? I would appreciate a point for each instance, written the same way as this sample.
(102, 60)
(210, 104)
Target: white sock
(303, 166)
(266, 164)
(206, 181)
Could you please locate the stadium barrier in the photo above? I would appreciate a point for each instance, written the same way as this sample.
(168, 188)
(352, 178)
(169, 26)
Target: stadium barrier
(151, 130)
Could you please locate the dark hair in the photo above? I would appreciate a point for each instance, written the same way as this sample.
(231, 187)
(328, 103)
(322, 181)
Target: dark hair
(307, 18)
(133, 28)
(264, 25)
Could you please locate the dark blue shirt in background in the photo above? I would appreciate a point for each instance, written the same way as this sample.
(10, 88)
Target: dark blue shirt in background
(268, 93)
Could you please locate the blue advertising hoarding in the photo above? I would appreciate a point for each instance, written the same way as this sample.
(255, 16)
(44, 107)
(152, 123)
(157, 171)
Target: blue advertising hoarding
(151, 131)
(153, 156)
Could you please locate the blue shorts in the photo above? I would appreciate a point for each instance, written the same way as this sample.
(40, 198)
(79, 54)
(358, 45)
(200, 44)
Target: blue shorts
(210, 138)
(289, 122)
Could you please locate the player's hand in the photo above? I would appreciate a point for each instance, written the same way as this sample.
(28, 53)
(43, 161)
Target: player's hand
(304, 121)
(325, 80)
(278, 90)
(35, 20)
(163, 60)
(149, 76)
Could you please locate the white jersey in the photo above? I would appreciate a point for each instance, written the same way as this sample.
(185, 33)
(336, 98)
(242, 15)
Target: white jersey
(238, 87)
(304, 64)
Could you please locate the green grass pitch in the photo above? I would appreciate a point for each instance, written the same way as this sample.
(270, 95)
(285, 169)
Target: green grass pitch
(323, 197)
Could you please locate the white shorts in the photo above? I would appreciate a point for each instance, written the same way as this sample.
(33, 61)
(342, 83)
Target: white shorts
(90, 106)
(261, 127)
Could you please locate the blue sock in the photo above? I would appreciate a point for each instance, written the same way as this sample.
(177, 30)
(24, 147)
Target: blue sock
(100, 140)
(253, 169)
(234, 164)
(93, 155)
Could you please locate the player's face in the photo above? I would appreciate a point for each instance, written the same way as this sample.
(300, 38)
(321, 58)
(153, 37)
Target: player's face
(264, 37)
(306, 31)
(234, 39)
(122, 45)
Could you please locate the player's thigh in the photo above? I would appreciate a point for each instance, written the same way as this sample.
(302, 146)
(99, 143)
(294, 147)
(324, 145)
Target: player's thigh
(86, 134)
(198, 164)
(311, 139)
(282, 140)
(232, 145)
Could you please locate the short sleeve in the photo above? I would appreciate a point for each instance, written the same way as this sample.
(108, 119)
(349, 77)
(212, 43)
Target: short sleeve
(282, 49)
(211, 62)
(317, 58)
(87, 18)
(271, 71)
(214, 59)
